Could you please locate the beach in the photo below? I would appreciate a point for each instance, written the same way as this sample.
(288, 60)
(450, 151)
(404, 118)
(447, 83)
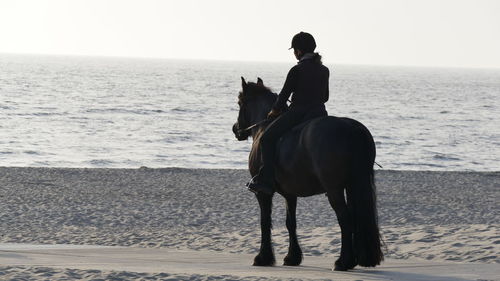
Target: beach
(424, 215)
(124, 157)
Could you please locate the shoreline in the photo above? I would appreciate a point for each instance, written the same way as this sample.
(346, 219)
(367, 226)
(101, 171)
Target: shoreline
(226, 169)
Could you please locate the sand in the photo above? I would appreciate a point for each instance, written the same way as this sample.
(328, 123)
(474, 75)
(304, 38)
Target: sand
(430, 216)
(143, 263)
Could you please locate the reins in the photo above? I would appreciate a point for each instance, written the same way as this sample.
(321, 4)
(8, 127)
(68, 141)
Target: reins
(254, 125)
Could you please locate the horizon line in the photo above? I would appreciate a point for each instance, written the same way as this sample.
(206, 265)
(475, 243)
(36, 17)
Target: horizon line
(248, 61)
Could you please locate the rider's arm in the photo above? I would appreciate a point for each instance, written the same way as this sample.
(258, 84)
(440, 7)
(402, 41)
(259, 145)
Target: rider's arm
(288, 88)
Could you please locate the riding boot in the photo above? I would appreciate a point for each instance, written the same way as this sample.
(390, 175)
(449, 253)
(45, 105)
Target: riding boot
(260, 184)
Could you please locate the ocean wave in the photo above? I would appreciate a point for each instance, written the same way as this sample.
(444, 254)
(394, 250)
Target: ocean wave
(445, 157)
(124, 111)
(422, 165)
(101, 163)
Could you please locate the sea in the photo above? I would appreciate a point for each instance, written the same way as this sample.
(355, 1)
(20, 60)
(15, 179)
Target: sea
(104, 112)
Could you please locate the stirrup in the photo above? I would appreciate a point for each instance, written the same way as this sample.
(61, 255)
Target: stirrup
(257, 187)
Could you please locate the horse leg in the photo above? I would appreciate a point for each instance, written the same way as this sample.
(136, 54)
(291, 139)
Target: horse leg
(266, 254)
(294, 256)
(347, 258)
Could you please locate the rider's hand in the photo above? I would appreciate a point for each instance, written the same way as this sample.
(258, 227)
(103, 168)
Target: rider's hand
(273, 114)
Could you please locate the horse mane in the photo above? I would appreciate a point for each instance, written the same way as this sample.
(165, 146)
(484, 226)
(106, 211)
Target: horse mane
(255, 90)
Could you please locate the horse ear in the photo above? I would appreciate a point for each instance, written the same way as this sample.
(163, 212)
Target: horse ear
(243, 83)
(260, 82)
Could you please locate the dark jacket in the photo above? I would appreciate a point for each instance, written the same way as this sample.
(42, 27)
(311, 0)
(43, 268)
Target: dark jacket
(308, 81)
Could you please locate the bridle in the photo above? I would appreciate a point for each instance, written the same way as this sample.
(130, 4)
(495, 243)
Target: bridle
(240, 131)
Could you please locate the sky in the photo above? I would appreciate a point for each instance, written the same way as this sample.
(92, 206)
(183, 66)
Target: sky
(445, 33)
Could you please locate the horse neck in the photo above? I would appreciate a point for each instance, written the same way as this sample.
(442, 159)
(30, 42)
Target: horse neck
(255, 155)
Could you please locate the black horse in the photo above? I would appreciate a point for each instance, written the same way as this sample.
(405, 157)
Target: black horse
(325, 155)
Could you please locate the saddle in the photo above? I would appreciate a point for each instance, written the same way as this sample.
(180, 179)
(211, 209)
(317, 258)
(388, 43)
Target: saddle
(295, 131)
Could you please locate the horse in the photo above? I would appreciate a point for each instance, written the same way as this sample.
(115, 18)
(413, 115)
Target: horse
(330, 155)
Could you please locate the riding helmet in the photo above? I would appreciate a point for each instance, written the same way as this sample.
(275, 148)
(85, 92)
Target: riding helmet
(304, 42)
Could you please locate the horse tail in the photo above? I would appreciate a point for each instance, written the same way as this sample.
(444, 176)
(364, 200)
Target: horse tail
(363, 201)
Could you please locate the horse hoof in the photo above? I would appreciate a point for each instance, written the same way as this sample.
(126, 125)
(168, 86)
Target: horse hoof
(264, 261)
(293, 260)
(341, 266)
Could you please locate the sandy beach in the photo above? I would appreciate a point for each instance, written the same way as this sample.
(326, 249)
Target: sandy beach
(432, 216)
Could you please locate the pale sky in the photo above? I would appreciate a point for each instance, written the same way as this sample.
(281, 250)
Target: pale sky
(463, 33)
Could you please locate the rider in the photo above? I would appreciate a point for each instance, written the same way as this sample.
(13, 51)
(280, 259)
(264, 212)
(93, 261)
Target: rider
(308, 81)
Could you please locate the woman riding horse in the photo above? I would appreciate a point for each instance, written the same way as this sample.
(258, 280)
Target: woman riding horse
(308, 81)
(332, 155)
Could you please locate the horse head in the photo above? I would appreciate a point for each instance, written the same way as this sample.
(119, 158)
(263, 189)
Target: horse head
(255, 101)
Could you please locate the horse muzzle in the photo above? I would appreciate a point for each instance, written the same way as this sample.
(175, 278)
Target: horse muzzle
(240, 135)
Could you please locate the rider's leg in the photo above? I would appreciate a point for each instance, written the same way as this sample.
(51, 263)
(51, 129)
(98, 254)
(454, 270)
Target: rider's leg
(264, 181)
